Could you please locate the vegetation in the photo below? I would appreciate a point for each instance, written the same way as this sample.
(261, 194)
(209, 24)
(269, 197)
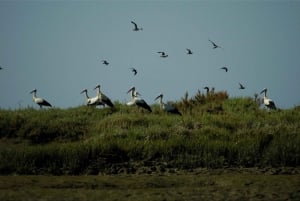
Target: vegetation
(215, 131)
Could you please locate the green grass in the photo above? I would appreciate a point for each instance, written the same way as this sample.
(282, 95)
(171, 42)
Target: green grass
(214, 132)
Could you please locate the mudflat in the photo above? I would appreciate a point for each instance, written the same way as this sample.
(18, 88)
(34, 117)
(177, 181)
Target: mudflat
(198, 184)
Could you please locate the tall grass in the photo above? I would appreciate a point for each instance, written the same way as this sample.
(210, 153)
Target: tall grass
(215, 131)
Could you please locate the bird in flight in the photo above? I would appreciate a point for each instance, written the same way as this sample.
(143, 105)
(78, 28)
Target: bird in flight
(105, 62)
(136, 28)
(189, 51)
(242, 86)
(224, 68)
(215, 46)
(134, 71)
(163, 54)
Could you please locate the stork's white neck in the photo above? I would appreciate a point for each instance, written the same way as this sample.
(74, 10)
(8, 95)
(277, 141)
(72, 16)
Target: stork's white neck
(99, 92)
(34, 95)
(265, 94)
(86, 94)
(161, 102)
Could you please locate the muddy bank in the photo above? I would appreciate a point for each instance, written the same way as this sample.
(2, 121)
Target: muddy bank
(164, 168)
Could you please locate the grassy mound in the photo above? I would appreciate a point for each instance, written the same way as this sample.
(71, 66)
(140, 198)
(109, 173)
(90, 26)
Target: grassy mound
(215, 132)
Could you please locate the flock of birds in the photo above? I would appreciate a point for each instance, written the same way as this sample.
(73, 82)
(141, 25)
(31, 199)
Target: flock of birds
(102, 100)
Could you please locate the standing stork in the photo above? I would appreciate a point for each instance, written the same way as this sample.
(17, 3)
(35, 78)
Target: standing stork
(135, 100)
(91, 101)
(167, 107)
(40, 101)
(136, 28)
(103, 98)
(268, 102)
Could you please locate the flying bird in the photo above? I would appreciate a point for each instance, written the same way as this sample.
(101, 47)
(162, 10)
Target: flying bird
(224, 68)
(135, 100)
(134, 71)
(103, 98)
(1, 68)
(136, 28)
(91, 101)
(189, 51)
(268, 102)
(105, 62)
(163, 54)
(215, 46)
(242, 86)
(167, 107)
(40, 101)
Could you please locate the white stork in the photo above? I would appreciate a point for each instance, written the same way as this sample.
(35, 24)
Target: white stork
(135, 100)
(103, 98)
(167, 107)
(136, 28)
(268, 102)
(91, 101)
(40, 101)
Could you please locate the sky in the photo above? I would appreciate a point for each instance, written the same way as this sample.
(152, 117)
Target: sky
(57, 48)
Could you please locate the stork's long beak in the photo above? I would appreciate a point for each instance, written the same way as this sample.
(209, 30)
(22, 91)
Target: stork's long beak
(98, 86)
(263, 91)
(158, 97)
(33, 91)
(132, 88)
(83, 91)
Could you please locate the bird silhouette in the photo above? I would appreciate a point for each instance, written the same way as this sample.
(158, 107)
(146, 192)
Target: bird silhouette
(163, 54)
(189, 51)
(242, 86)
(134, 71)
(215, 46)
(224, 68)
(105, 62)
(136, 28)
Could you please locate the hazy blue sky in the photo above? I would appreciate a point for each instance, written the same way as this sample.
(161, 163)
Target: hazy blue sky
(56, 47)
